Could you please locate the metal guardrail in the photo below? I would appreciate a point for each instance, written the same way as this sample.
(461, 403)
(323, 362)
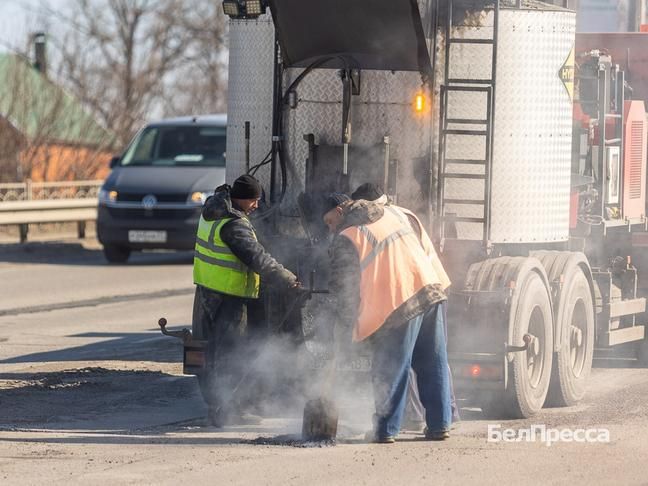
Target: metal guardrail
(28, 190)
(28, 203)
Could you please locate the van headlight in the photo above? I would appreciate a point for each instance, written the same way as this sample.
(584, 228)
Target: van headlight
(199, 197)
(106, 196)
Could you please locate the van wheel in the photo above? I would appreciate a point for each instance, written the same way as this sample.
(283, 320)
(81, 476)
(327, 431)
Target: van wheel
(116, 254)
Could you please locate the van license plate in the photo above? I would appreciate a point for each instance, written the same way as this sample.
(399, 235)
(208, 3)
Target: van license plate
(140, 236)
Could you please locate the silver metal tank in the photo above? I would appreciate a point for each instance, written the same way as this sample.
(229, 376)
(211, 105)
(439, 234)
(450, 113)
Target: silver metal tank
(533, 125)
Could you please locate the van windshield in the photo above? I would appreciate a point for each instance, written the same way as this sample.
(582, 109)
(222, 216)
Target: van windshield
(178, 146)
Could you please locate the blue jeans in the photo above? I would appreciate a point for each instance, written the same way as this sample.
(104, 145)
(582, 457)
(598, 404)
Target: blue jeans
(430, 362)
(420, 344)
(414, 411)
(392, 358)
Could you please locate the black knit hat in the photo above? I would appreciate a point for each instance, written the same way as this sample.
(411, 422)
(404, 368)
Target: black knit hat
(246, 187)
(368, 191)
(333, 200)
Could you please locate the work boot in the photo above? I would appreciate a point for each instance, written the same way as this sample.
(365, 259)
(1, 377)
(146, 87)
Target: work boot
(436, 434)
(375, 439)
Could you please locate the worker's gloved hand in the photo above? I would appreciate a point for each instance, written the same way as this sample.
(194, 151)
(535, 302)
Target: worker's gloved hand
(298, 291)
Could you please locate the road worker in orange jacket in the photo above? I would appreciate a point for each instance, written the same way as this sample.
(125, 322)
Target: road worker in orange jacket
(414, 411)
(386, 289)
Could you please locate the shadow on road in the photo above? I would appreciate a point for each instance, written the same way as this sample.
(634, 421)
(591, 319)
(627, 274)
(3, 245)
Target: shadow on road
(96, 398)
(143, 346)
(75, 253)
(96, 405)
(123, 439)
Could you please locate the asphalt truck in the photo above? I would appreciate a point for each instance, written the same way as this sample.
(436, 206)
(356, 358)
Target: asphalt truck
(523, 149)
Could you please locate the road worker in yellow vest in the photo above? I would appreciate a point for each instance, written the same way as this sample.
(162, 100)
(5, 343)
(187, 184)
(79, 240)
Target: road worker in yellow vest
(393, 297)
(229, 263)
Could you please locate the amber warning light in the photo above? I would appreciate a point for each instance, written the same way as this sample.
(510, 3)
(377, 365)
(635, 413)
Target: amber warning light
(419, 103)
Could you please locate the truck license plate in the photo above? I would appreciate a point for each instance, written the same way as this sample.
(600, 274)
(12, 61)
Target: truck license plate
(361, 364)
(141, 236)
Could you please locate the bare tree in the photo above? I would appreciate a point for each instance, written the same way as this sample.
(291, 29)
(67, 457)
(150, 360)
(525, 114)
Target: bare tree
(201, 85)
(132, 59)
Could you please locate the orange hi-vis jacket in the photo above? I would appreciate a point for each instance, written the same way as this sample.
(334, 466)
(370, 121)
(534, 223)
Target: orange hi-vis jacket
(394, 268)
(427, 245)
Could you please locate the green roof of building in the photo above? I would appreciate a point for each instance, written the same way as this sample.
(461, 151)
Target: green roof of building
(42, 110)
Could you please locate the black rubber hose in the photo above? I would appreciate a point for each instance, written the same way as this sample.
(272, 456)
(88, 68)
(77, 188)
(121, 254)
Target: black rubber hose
(279, 110)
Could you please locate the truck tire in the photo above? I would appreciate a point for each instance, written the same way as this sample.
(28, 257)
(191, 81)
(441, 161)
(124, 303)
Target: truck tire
(490, 275)
(116, 254)
(574, 321)
(530, 370)
(573, 361)
(530, 312)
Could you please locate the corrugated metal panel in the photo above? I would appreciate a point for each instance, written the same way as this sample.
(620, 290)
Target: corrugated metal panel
(249, 96)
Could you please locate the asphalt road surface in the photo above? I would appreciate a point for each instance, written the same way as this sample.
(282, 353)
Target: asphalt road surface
(91, 393)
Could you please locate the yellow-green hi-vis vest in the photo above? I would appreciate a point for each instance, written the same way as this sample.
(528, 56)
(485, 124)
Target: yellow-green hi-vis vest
(217, 268)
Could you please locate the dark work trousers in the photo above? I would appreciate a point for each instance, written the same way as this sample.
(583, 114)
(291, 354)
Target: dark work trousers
(221, 320)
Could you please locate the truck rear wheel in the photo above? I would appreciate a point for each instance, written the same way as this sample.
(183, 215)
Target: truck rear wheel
(573, 361)
(574, 325)
(530, 370)
(530, 313)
